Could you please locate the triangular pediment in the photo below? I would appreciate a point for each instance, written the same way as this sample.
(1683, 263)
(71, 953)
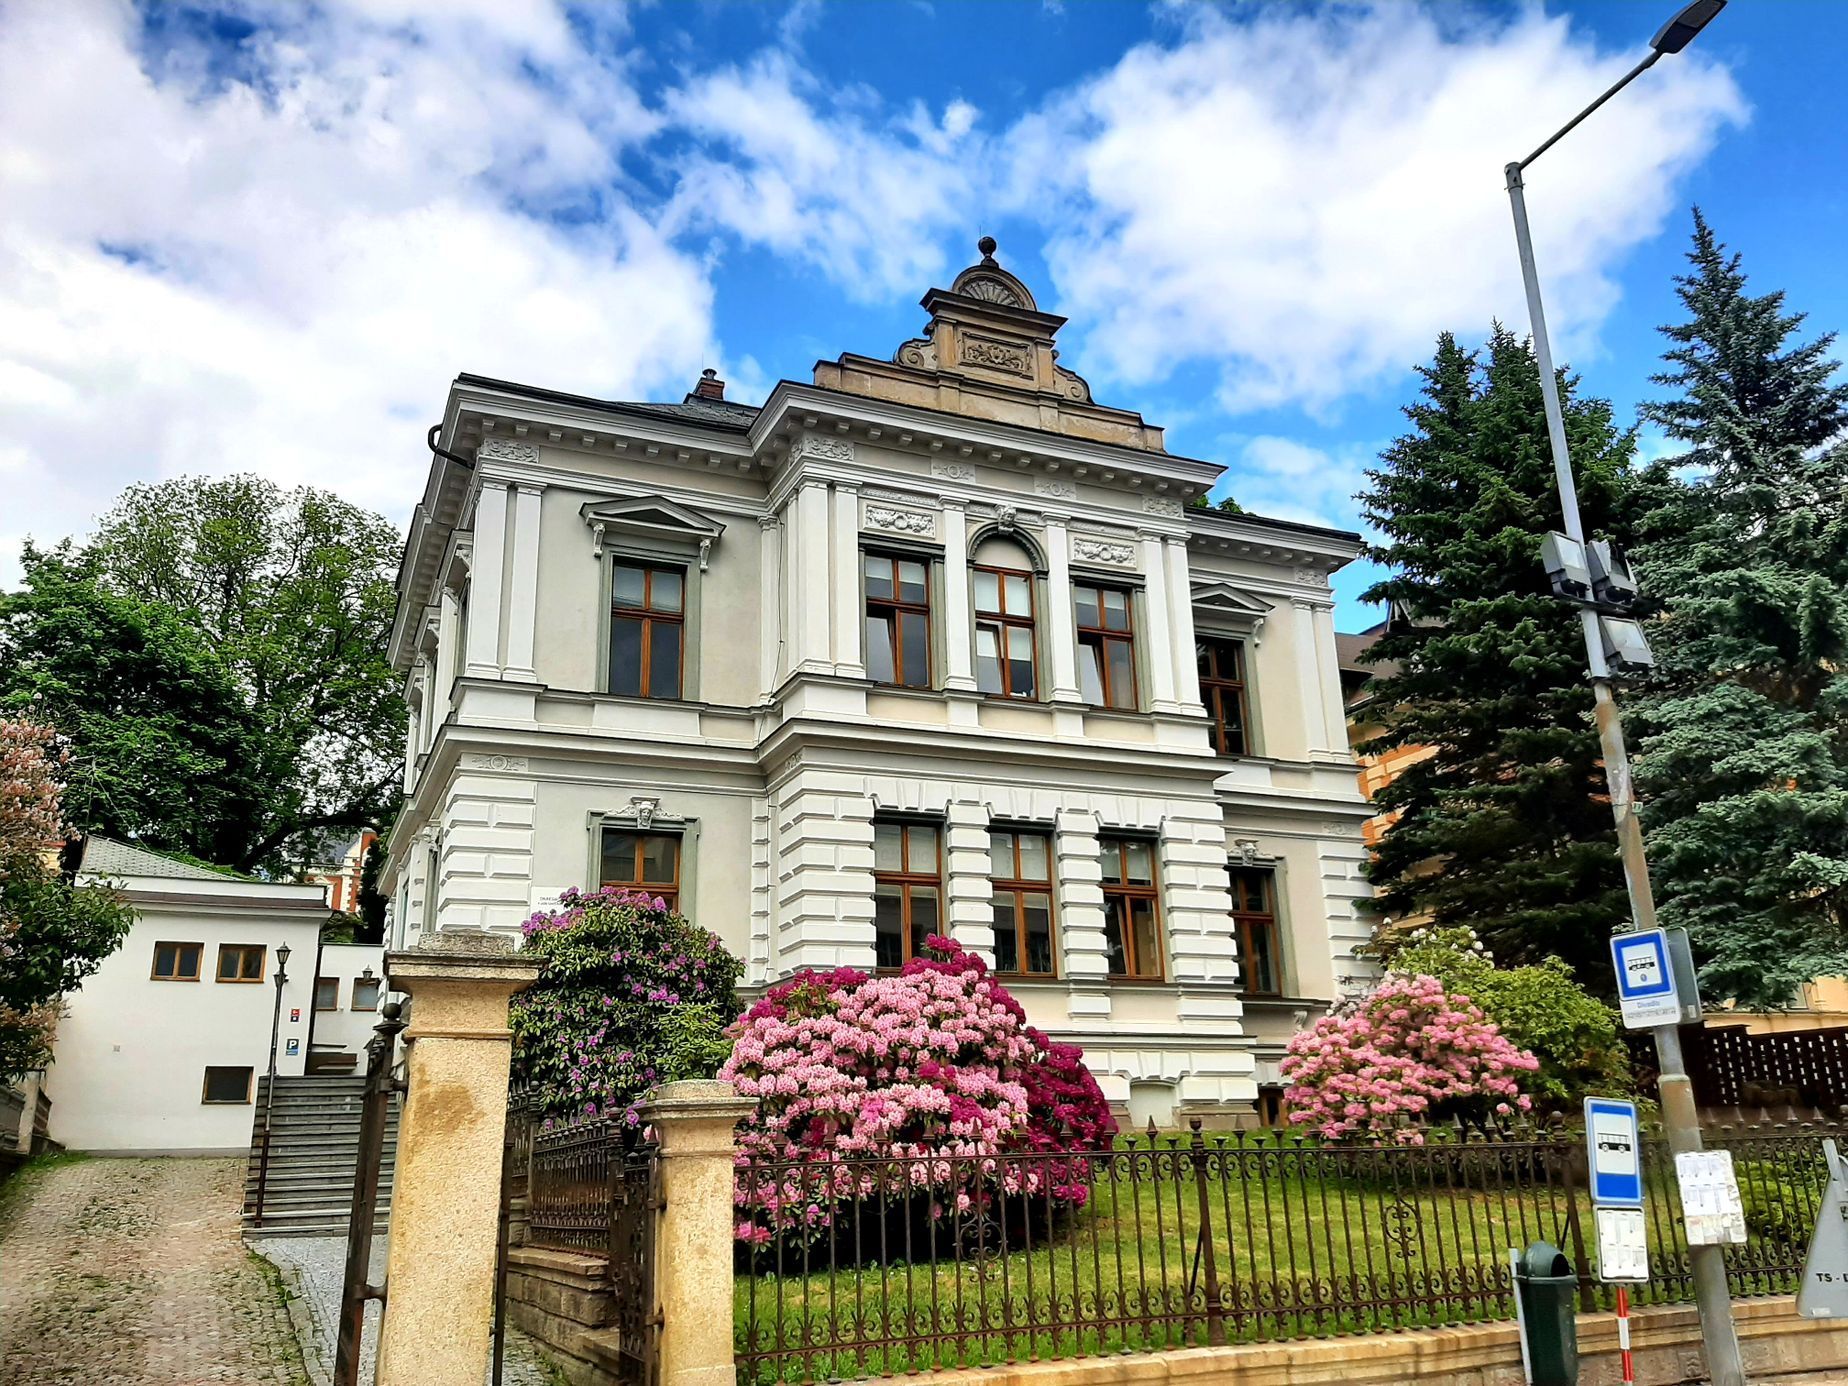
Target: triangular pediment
(1227, 600)
(653, 512)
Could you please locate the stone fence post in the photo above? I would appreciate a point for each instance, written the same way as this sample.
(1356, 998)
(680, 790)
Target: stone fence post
(446, 1191)
(695, 1123)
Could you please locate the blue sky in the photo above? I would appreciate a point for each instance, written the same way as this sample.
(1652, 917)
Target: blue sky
(252, 237)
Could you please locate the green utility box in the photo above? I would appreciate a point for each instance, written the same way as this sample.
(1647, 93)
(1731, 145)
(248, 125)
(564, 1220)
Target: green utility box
(1544, 1280)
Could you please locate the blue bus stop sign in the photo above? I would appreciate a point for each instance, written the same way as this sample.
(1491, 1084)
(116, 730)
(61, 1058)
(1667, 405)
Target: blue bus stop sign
(1646, 992)
(1613, 1143)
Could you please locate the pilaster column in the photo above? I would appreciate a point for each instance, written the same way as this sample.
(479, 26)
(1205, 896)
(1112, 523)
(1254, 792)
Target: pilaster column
(1328, 679)
(848, 660)
(1061, 627)
(485, 580)
(1324, 742)
(412, 739)
(770, 604)
(969, 914)
(446, 1189)
(808, 566)
(448, 631)
(1160, 660)
(523, 583)
(1180, 605)
(959, 661)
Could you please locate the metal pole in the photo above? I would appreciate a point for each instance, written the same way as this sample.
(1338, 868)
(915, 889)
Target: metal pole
(1724, 1364)
(269, 1099)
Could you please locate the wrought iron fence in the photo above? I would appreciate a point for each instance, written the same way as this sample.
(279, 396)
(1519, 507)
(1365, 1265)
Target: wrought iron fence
(867, 1267)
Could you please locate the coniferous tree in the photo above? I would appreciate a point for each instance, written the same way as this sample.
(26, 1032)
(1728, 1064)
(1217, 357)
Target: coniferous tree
(1743, 754)
(1501, 824)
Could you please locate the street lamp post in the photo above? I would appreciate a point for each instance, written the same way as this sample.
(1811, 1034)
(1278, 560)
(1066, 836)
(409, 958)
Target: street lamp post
(269, 1088)
(1711, 1294)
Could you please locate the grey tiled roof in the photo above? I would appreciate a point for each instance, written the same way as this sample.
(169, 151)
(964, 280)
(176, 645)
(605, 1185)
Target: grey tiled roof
(104, 856)
(693, 410)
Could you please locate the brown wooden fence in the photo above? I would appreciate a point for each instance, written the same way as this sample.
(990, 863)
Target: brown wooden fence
(1801, 1068)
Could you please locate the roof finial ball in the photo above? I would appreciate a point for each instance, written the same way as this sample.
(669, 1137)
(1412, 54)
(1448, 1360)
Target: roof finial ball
(987, 246)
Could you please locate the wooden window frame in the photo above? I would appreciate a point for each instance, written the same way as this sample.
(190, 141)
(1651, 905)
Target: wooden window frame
(1020, 887)
(1103, 636)
(378, 993)
(669, 893)
(1245, 921)
(905, 878)
(198, 972)
(205, 1085)
(262, 950)
(1117, 897)
(888, 609)
(317, 994)
(649, 616)
(1217, 688)
(1003, 620)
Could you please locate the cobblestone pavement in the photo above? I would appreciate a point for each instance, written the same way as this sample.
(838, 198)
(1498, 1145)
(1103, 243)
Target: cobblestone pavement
(131, 1273)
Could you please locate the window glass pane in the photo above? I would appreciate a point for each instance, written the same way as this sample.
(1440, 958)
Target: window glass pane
(1112, 860)
(1140, 861)
(911, 581)
(924, 919)
(1122, 674)
(1020, 661)
(326, 993)
(888, 923)
(660, 858)
(166, 960)
(1087, 606)
(1001, 856)
(189, 959)
(1260, 959)
(365, 995)
(1203, 658)
(618, 856)
(886, 838)
(1113, 942)
(914, 641)
(879, 649)
(1007, 943)
(664, 659)
(1148, 938)
(627, 586)
(664, 594)
(921, 844)
(987, 659)
(1116, 608)
(987, 591)
(1091, 672)
(626, 655)
(1018, 602)
(227, 1085)
(878, 573)
(1035, 857)
(1037, 912)
(253, 964)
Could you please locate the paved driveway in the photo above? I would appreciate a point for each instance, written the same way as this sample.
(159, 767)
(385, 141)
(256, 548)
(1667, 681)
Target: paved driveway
(131, 1273)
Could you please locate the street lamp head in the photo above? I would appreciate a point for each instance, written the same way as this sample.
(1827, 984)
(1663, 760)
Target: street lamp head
(1679, 32)
(282, 954)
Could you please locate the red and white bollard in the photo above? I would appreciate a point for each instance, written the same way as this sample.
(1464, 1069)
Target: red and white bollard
(1623, 1334)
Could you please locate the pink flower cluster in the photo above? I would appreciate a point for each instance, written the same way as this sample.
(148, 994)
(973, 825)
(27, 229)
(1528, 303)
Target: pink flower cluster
(1407, 1053)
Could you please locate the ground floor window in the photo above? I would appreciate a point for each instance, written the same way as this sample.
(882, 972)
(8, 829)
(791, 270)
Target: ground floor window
(907, 889)
(1132, 909)
(1020, 866)
(366, 993)
(226, 1085)
(1254, 916)
(648, 862)
(327, 993)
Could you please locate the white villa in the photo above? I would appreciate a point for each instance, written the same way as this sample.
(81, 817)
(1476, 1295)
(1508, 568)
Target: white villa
(934, 643)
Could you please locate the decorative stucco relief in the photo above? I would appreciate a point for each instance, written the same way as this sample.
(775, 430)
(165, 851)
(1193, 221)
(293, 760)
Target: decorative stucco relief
(1088, 550)
(821, 446)
(506, 450)
(920, 353)
(900, 521)
(1016, 358)
(1058, 490)
(953, 471)
(1162, 505)
(509, 764)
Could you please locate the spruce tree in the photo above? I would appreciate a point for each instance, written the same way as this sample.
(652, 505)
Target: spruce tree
(1743, 752)
(1501, 825)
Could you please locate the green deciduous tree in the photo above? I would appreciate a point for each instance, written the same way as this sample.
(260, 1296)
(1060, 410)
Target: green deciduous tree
(1501, 826)
(1743, 760)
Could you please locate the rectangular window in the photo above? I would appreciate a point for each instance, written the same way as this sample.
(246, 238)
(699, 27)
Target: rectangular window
(177, 962)
(327, 993)
(240, 962)
(1132, 910)
(648, 862)
(897, 620)
(1020, 864)
(1005, 655)
(365, 993)
(1222, 689)
(647, 623)
(907, 890)
(227, 1085)
(1254, 914)
(1106, 646)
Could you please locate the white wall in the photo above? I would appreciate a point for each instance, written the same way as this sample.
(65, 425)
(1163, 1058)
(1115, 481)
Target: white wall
(128, 1067)
(345, 1028)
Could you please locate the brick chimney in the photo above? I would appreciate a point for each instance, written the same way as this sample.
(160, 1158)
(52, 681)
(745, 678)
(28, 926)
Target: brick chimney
(710, 386)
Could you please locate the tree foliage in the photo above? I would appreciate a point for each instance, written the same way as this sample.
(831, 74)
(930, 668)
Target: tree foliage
(1502, 826)
(53, 934)
(1743, 758)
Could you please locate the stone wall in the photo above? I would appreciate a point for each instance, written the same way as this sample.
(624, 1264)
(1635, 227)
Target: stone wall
(563, 1301)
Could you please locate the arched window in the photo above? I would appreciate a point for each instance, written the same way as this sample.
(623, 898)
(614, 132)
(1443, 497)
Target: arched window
(1006, 648)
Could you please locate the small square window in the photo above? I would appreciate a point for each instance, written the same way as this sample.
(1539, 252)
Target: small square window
(177, 962)
(366, 993)
(240, 962)
(227, 1086)
(327, 993)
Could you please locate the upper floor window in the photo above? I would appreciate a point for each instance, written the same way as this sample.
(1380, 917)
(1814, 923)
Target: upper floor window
(1106, 646)
(897, 619)
(647, 622)
(1006, 654)
(240, 962)
(366, 993)
(648, 862)
(1020, 864)
(1254, 914)
(327, 993)
(1132, 911)
(177, 962)
(1222, 689)
(907, 889)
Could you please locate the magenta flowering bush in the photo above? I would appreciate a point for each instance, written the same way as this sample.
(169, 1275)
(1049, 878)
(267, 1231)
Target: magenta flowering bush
(934, 1062)
(1408, 1054)
(631, 995)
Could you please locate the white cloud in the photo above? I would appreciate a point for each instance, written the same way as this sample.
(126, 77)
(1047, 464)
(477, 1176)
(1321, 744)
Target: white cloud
(1311, 195)
(1292, 480)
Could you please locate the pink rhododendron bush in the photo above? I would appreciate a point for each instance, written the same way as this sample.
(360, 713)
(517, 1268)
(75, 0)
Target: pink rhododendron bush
(1405, 1056)
(927, 1084)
